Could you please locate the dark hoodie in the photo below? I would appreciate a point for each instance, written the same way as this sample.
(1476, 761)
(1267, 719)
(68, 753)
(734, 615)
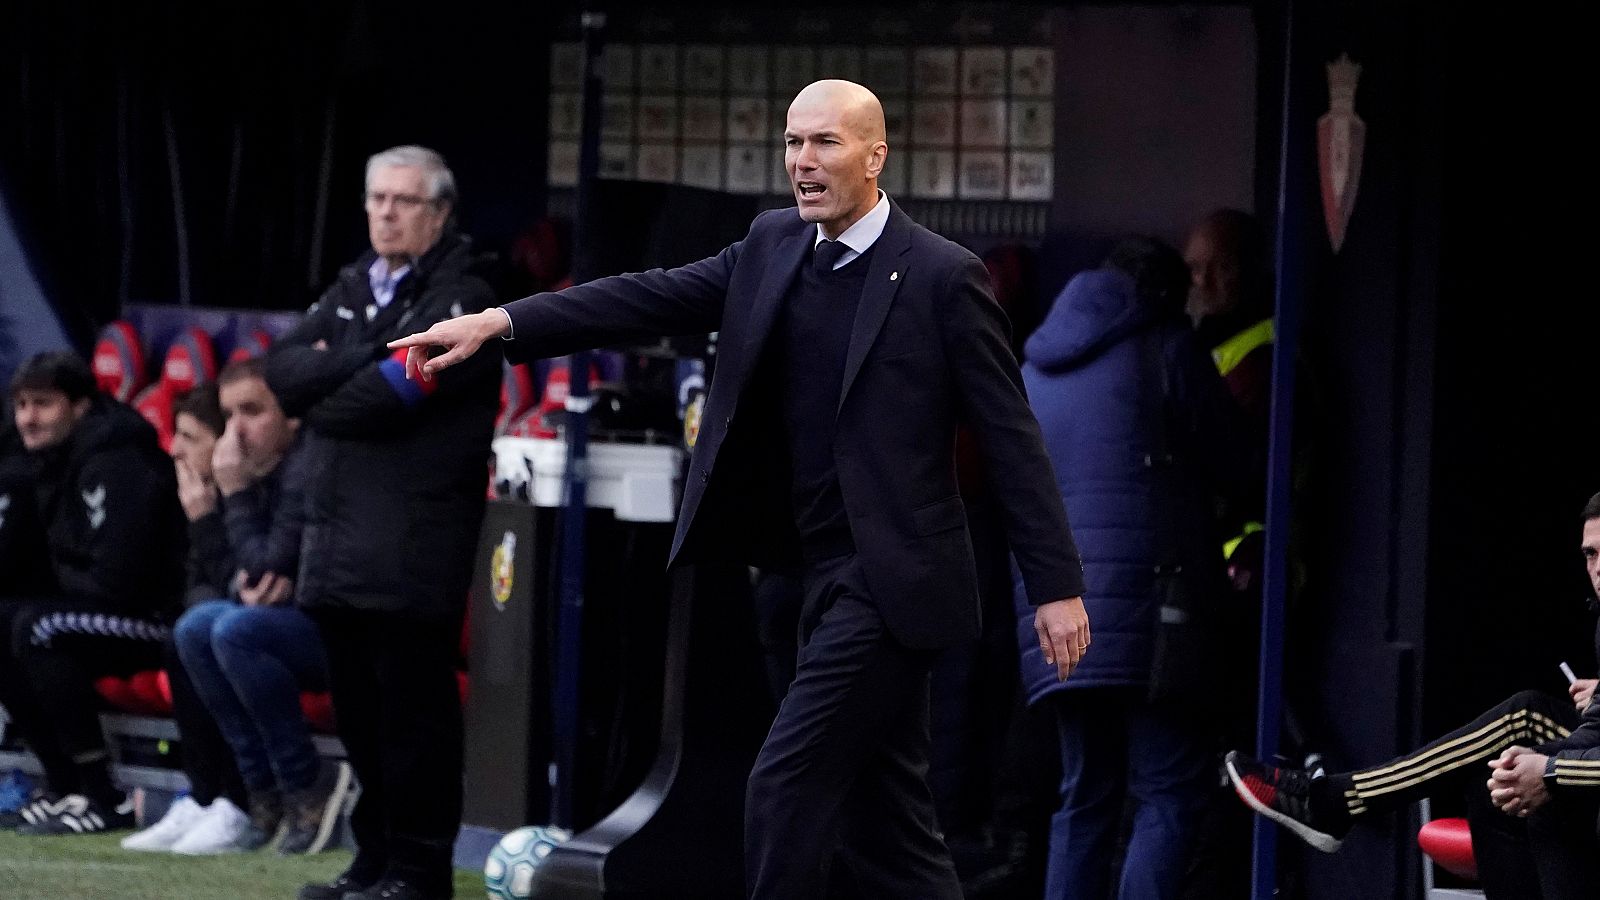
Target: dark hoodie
(1106, 374)
(108, 498)
(22, 569)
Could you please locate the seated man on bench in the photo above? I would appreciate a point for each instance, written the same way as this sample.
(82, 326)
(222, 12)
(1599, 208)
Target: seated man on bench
(101, 594)
(250, 657)
(1542, 759)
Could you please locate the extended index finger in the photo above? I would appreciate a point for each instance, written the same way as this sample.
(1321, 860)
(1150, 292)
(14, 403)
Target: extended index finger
(420, 339)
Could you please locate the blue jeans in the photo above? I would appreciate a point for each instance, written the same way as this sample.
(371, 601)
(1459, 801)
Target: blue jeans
(1116, 746)
(249, 665)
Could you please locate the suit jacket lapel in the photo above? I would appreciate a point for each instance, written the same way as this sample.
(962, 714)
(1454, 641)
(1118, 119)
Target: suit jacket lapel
(884, 278)
(790, 254)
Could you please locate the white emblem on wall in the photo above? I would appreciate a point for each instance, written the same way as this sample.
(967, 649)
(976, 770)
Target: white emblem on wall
(1341, 144)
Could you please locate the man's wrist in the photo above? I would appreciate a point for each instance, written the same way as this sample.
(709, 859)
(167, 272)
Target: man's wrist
(500, 319)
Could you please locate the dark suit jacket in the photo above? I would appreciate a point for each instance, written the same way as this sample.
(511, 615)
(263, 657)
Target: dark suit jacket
(929, 349)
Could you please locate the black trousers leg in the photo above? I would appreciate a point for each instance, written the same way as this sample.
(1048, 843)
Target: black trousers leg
(28, 721)
(1448, 764)
(58, 647)
(847, 755)
(353, 684)
(423, 752)
(891, 839)
(399, 712)
(1566, 849)
(1500, 845)
(207, 759)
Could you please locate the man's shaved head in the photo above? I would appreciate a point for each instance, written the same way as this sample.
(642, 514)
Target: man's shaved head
(834, 148)
(858, 108)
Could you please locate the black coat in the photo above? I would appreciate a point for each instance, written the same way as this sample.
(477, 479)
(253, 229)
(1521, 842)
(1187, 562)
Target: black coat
(108, 499)
(928, 349)
(24, 564)
(211, 564)
(396, 470)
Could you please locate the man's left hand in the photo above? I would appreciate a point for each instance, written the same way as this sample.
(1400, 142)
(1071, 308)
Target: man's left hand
(1516, 784)
(1063, 629)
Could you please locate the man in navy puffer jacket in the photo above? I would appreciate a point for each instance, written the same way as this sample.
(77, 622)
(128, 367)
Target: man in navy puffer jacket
(1143, 436)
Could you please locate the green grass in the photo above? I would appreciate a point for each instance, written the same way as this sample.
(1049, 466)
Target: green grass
(95, 868)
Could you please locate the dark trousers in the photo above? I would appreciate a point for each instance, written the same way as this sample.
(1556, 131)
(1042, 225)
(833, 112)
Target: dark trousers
(51, 650)
(1118, 749)
(395, 696)
(1552, 855)
(207, 760)
(841, 782)
(1565, 846)
(249, 664)
(1451, 763)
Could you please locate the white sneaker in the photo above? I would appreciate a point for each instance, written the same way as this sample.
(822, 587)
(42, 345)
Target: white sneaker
(181, 816)
(220, 830)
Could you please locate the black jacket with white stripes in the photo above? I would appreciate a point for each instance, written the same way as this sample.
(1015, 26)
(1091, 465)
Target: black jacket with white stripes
(108, 498)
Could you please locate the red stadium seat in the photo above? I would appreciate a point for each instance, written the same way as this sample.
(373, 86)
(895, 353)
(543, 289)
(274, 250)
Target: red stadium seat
(139, 694)
(557, 387)
(250, 344)
(191, 359)
(119, 361)
(317, 706)
(1448, 842)
(165, 684)
(516, 396)
(542, 419)
(155, 403)
(117, 693)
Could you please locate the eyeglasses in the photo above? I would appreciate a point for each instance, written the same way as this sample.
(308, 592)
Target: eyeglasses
(407, 202)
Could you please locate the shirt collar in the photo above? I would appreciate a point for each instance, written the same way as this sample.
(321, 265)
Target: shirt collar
(867, 229)
(379, 272)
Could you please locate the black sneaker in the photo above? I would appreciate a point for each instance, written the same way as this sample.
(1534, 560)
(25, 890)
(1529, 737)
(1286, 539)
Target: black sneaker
(266, 818)
(1284, 796)
(309, 815)
(34, 809)
(77, 814)
(336, 889)
(394, 889)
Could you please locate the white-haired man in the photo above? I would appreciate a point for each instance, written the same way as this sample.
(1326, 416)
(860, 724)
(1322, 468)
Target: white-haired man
(395, 499)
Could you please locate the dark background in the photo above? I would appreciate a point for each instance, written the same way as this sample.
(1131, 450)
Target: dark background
(1444, 442)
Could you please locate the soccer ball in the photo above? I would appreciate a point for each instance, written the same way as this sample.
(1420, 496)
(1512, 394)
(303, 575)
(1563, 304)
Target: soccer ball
(508, 873)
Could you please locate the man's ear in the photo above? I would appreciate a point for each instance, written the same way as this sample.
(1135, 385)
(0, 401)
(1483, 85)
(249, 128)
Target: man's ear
(80, 408)
(880, 152)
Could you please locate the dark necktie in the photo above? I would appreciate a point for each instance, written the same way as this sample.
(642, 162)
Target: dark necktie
(827, 254)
